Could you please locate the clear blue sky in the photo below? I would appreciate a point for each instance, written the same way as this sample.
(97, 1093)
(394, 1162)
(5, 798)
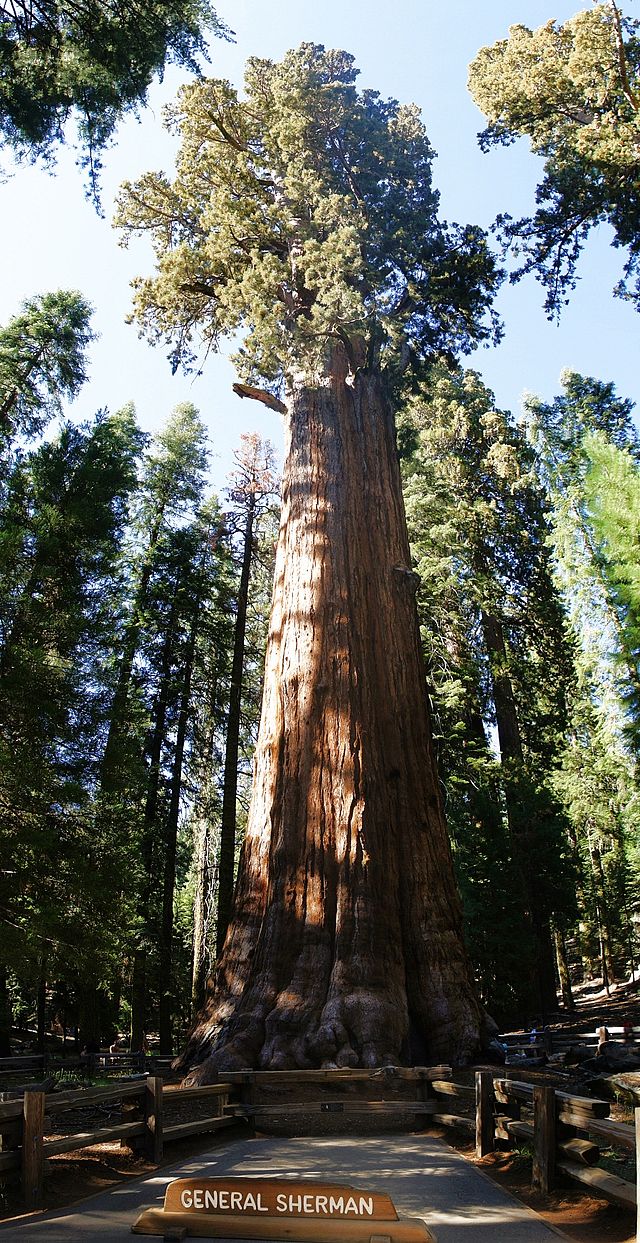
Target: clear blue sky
(413, 50)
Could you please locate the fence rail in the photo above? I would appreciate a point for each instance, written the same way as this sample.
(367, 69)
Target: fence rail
(85, 1063)
(565, 1130)
(142, 1126)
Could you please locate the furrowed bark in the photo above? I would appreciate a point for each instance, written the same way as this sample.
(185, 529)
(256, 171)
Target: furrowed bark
(345, 944)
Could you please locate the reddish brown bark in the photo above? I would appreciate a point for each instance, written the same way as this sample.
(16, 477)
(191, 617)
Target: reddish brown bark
(345, 944)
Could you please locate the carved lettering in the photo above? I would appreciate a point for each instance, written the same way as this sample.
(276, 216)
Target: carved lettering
(278, 1198)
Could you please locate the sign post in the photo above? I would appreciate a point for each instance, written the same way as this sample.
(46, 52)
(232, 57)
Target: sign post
(278, 1209)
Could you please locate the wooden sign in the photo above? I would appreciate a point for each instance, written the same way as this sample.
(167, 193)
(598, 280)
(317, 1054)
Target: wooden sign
(282, 1209)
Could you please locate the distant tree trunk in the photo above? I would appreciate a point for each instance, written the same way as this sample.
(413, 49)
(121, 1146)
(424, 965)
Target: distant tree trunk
(112, 758)
(226, 865)
(205, 859)
(521, 831)
(345, 945)
(602, 914)
(89, 1016)
(170, 845)
(41, 1006)
(150, 832)
(204, 869)
(6, 1016)
(563, 969)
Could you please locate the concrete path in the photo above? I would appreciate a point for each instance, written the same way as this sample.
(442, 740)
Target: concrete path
(424, 1177)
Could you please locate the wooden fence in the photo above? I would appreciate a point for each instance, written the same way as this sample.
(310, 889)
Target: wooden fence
(142, 1125)
(565, 1131)
(27, 1065)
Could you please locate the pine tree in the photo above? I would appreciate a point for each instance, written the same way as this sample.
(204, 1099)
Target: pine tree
(42, 362)
(597, 782)
(252, 485)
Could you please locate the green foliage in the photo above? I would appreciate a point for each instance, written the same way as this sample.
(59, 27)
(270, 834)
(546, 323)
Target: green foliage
(62, 530)
(587, 460)
(497, 656)
(589, 418)
(303, 213)
(573, 90)
(92, 62)
(42, 361)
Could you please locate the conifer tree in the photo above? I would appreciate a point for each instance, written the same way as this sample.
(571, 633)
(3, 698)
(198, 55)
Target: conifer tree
(573, 90)
(42, 362)
(494, 631)
(587, 455)
(304, 215)
(253, 484)
(62, 532)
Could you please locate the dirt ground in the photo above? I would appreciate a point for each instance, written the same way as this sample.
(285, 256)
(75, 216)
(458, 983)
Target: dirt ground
(574, 1213)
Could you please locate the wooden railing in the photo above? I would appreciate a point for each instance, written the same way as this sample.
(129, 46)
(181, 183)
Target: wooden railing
(142, 1126)
(564, 1130)
(28, 1064)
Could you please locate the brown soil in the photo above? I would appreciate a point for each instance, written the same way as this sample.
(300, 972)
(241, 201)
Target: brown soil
(574, 1214)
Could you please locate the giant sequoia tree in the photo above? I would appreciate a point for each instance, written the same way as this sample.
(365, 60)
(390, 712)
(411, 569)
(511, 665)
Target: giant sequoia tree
(304, 215)
(573, 90)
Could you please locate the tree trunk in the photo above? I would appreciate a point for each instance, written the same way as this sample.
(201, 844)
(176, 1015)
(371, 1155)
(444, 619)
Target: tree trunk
(150, 833)
(226, 866)
(202, 923)
(563, 969)
(171, 843)
(6, 1016)
(206, 854)
(521, 830)
(41, 1006)
(345, 946)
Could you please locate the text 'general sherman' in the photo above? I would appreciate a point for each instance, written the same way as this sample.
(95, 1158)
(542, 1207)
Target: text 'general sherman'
(293, 1205)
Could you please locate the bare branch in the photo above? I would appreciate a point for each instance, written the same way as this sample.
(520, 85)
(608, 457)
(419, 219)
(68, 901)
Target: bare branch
(260, 394)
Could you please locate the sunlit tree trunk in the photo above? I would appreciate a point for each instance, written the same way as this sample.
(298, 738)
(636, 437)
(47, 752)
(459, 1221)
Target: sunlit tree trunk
(345, 943)
(226, 866)
(562, 964)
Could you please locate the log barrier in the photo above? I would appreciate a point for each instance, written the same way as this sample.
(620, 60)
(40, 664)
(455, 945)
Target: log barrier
(565, 1131)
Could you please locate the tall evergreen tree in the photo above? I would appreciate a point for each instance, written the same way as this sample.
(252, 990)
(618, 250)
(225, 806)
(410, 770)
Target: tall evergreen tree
(304, 215)
(253, 484)
(42, 362)
(587, 455)
(573, 90)
(132, 773)
(61, 539)
(494, 631)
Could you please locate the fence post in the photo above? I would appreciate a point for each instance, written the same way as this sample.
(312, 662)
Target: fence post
(153, 1119)
(485, 1120)
(32, 1149)
(544, 1139)
(637, 1114)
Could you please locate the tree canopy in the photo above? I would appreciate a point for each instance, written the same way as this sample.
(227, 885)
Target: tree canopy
(573, 90)
(301, 213)
(93, 61)
(42, 361)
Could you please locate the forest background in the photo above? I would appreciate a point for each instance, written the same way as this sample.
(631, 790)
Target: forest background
(53, 238)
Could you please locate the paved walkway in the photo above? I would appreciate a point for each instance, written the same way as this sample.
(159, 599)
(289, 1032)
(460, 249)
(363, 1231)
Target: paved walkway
(424, 1177)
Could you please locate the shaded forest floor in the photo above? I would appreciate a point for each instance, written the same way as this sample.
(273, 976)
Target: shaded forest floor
(574, 1213)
